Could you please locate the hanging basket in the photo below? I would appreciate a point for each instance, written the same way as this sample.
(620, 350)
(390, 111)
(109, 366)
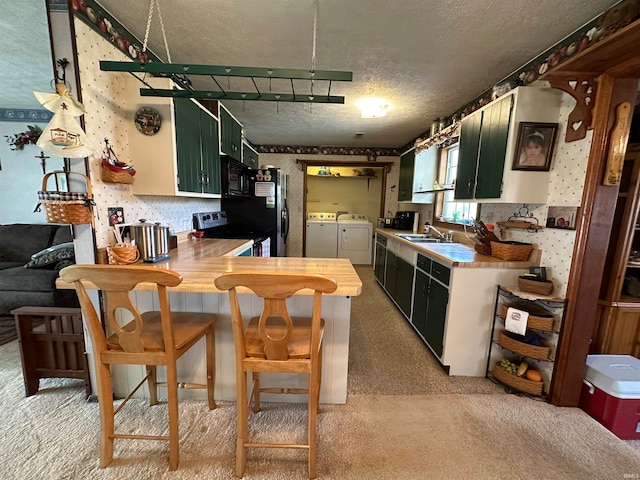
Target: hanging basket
(113, 170)
(113, 174)
(66, 207)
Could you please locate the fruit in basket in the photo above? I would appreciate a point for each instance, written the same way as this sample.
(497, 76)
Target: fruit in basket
(509, 366)
(522, 368)
(533, 375)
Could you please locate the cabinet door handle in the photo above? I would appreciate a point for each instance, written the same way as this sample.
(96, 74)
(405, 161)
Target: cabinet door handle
(469, 187)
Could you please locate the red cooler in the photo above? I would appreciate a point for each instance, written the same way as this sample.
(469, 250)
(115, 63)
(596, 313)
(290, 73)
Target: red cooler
(611, 393)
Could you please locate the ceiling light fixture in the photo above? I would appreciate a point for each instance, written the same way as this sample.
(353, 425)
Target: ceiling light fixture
(179, 71)
(372, 107)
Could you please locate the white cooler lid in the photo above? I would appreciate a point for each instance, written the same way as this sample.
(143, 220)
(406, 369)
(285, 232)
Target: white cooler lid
(617, 375)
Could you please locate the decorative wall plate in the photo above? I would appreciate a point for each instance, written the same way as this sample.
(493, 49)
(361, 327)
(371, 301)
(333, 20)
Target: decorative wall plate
(147, 120)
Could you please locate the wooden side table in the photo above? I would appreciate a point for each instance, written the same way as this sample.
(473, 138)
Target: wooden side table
(52, 349)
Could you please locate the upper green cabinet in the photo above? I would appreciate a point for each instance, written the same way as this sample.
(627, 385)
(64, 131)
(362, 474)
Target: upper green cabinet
(197, 155)
(483, 148)
(488, 143)
(249, 156)
(230, 135)
(405, 182)
(183, 157)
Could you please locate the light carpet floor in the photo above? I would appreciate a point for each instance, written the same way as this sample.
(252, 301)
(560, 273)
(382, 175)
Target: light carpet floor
(390, 434)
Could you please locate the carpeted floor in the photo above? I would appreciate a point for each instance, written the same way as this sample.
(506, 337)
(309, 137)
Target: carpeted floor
(7, 329)
(395, 425)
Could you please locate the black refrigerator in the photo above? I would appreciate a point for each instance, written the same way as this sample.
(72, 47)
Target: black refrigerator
(265, 211)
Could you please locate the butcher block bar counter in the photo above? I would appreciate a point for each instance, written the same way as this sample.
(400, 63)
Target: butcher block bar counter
(199, 261)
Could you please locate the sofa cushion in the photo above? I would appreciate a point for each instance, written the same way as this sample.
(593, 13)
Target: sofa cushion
(4, 265)
(49, 257)
(62, 235)
(19, 241)
(27, 279)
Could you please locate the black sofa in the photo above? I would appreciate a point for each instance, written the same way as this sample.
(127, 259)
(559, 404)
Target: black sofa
(27, 281)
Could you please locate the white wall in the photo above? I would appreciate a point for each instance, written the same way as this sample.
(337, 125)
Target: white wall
(21, 177)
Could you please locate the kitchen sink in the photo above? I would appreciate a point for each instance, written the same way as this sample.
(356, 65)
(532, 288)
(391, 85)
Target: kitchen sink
(418, 237)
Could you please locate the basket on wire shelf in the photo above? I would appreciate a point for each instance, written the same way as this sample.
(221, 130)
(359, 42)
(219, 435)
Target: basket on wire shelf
(74, 208)
(113, 170)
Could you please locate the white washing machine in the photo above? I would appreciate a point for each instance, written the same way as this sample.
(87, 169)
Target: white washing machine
(322, 235)
(355, 238)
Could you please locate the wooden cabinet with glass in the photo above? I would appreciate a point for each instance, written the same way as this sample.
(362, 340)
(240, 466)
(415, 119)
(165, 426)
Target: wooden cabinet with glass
(617, 329)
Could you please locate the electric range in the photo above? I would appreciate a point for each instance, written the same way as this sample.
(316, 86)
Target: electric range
(217, 225)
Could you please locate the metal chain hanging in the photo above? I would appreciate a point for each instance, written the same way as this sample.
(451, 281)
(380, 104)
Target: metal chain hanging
(146, 33)
(313, 49)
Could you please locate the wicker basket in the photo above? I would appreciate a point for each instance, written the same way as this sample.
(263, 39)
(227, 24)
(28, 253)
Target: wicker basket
(66, 207)
(513, 251)
(534, 286)
(524, 349)
(534, 321)
(113, 174)
(123, 254)
(519, 383)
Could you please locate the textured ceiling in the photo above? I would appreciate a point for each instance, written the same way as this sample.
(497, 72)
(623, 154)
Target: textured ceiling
(427, 58)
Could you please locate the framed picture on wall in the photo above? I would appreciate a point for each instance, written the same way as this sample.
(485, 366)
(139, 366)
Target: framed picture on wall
(534, 147)
(562, 217)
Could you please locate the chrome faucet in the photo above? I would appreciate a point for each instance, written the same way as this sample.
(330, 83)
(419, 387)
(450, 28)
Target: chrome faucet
(439, 234)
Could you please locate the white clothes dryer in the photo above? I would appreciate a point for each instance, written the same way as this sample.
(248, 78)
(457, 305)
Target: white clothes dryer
(322, 235)
(355, 238)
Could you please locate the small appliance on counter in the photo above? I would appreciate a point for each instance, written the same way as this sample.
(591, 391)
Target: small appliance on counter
(152, 240)
(404, 220)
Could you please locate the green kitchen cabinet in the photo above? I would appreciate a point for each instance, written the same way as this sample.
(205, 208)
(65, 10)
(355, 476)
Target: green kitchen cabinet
(420, 302)
(399, 282)
(230, 135)
(405, 181)
(188, 155)
(436, 316)
(210, 155)
(380, 258)
(198, 159)
(249, 156)
(488, 146)
(483, 149)
(430, 300)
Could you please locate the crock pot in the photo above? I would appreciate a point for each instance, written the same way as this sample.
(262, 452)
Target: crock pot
(152, 240)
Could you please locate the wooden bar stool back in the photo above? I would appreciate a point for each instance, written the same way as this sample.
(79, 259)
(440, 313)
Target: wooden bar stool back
(152, 338)
(276, 342)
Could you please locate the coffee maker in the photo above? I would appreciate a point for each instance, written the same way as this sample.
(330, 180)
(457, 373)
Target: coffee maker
(404, 220)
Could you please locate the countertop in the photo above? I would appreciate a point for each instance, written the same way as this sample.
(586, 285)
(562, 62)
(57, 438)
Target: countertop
(460, 254)
(200, 261)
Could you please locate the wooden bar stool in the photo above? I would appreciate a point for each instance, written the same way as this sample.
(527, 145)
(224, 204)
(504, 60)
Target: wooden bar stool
(150, 339)
(276, 342)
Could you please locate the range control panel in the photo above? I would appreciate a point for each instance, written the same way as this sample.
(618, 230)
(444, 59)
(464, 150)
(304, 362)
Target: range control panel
(204, 220)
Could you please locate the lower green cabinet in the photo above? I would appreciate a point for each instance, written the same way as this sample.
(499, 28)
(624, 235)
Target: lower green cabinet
(381, 256)
(436, 316)
(399, 281)
(420, 301)
(430, 300)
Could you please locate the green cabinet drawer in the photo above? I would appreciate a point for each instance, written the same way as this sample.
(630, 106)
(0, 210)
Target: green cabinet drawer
(440, 272)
